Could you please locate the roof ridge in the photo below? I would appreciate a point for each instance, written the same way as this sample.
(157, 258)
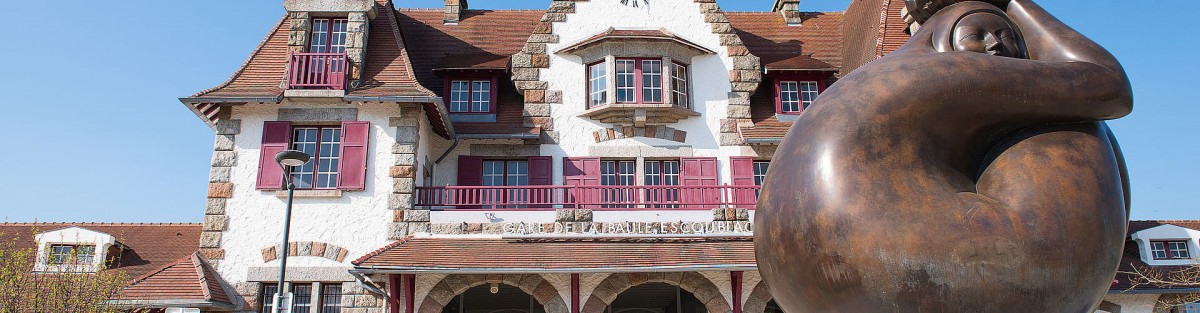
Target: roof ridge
(245, 64)
(399, 36)
(198, 265)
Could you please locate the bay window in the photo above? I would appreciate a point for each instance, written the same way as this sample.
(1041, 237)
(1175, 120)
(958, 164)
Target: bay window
(638, 81)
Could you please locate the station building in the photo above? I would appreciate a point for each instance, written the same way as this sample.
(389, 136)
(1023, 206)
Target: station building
(595, 156)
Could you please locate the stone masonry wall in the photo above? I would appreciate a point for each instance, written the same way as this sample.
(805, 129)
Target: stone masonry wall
(220, 187)
(406, 220)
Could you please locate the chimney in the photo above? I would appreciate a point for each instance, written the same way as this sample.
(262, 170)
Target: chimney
(790, 10)
(454, 10)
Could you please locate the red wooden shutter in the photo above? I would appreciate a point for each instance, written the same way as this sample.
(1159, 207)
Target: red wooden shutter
(541, 171)
(276, 136)
(353, 172)
(742, 169)
(699, 171)
(583, 171)
(470, 170)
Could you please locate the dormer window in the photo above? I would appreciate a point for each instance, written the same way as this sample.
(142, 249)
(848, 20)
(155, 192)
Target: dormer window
(328, 35)
(471, 94)
(71, 254)
(1169, 250)
(795, 96)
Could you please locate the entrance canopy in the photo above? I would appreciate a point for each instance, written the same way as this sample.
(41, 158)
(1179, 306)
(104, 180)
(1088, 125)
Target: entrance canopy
(575, 255)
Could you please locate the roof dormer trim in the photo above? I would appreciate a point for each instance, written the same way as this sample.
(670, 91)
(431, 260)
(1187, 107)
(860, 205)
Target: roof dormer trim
(1167, 232)
(76, 236)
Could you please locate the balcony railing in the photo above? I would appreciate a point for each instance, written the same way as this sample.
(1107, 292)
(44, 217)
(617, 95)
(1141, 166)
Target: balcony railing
(587, 197)
(318, 71)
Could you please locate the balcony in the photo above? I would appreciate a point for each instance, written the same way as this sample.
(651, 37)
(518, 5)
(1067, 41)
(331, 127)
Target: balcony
(639, 114)
(532, 198)
(316, 75)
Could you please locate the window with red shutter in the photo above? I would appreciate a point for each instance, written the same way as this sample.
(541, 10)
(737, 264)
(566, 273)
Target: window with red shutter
(470, 170)
(742, 174)
(355, 137)
(276, 137)
(541, 171)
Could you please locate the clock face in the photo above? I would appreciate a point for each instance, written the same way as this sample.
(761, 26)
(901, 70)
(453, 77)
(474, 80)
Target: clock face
(636, 3)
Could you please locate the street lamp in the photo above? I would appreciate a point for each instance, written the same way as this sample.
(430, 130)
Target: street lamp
(286, 159)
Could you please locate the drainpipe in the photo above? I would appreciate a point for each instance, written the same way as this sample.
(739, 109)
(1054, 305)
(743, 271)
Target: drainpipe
(371, 286)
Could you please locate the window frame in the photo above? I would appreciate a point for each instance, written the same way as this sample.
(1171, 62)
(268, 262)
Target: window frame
(799, 79)
(1168, 252)
(316, 156)
(316, 296)
(639, 84)
(603, 80)
(756, 176)
(505, 175)
(329, 34)
(471, 80)
(72, 255)
(686, 82)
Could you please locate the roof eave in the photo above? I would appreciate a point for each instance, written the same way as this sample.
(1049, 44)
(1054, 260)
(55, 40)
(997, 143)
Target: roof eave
(537, 270)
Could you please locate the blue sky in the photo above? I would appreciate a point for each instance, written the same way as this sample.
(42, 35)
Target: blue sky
(98, 134)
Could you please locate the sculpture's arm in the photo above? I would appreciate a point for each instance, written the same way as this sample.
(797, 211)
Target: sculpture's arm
(1047, 39)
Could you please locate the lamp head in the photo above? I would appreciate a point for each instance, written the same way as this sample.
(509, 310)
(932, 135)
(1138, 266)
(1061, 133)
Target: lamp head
(291, 158)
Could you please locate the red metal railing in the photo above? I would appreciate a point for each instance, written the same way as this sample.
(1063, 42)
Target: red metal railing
(587, 197)
(318, 71)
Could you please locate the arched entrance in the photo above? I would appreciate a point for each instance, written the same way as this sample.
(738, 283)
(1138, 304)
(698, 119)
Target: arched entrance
(497, 298)
(656, 298)
(616, 284)
(760, 301)
(450, 288)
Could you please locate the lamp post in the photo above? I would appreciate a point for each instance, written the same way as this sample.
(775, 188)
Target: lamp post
(286, 159)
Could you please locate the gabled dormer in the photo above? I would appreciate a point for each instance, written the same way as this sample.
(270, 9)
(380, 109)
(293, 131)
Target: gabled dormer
(1167, 245)
(75, 250)
(327, 46)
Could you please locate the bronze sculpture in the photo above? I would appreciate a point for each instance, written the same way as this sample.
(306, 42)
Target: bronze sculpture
(969, 171)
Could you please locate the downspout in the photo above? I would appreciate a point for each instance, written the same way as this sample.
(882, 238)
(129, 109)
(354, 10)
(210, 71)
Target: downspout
(371, 286)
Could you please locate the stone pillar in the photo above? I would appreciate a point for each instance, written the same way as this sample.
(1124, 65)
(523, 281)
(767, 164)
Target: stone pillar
(299, 26)
(454, 9)
(220, 186)
(357, 28)
(406, 220)
(790, 10)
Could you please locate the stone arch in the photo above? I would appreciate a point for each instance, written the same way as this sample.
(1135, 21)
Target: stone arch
(693, 282)
(533, 284)
(306, 248)
(758, 299)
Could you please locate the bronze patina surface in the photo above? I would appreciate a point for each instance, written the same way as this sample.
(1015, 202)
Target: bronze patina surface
(969, 171)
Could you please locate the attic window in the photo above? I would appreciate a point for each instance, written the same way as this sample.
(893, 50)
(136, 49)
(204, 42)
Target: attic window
(328, 35)
(1169, 250)
(72, 255)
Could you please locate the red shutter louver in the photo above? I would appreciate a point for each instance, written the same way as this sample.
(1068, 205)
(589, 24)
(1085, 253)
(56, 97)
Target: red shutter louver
(584, 171)
(276, 136)
(742, 169)
(470, 170)
(353, 172)
(699, 171)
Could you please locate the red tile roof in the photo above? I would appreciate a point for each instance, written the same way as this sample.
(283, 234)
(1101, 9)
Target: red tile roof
(635, 34)
(387, 70)
(263, 72)
(466, 254)
(873, 28)
(190, 278)
(816, 45)
(482, 40)
(150, 246)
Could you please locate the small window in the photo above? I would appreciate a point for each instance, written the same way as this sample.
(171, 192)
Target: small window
(304, 298)
(795, 96)
(1169, 250)
(652, 82)
(506, 173)
(328, 36)
(597, 84)
(760, 172)
(470, 96)
(72, 254)
(324, 144)
(679, 85)
(331, 298)
(626, 81)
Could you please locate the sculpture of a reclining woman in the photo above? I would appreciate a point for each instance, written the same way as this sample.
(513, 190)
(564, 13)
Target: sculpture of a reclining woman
(969, 171)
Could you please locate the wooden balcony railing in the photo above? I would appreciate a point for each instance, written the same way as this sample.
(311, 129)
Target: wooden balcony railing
(587, 197)
(318, 71)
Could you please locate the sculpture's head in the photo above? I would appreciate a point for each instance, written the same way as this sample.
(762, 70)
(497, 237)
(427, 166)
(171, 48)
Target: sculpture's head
(974, 26)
